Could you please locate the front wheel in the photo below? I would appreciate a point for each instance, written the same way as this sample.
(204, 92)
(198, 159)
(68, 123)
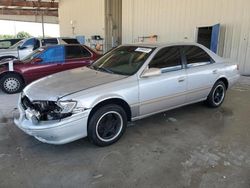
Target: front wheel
(217, 95)
(107, 125)
(11, 83)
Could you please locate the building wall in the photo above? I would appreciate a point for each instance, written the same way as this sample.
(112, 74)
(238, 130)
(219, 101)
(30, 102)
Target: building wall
(87, 17)
(177, 20)
(171, 20)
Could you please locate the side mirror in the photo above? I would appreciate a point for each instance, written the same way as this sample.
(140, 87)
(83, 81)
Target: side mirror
(151, 72)
(37, 60)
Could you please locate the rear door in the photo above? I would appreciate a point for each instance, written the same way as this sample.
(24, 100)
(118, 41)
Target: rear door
(201, 72)
(166, 90)
(76, 56)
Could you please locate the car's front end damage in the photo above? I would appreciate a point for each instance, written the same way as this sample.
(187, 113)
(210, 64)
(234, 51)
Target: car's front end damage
(58, 113)
(54, 122)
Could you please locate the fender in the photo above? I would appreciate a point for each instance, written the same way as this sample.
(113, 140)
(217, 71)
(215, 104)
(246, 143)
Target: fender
(104, 98)
(10, 65)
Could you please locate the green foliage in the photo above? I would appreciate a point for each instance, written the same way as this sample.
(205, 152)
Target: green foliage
(6, 37)
(23, 34)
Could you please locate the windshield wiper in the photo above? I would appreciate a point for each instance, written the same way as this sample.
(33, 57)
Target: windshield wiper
(100, 69)
(105, 70)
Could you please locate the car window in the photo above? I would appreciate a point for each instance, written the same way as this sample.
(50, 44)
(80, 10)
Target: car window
(50, 41)
(124, 60)
(70, 41)
(73, 52)
(53, 54)
(33, 55)
(195, 56)
(5, 44)
(29, 43)
(167, 59)
(20, 43)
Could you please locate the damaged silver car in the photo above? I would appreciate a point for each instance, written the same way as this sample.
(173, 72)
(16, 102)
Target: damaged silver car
(128, 83)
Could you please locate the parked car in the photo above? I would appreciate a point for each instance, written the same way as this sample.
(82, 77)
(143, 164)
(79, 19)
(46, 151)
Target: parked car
(129, 83)
(6, 43)
(14, 75)
(27, 46)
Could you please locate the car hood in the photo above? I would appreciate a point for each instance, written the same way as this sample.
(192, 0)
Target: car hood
(56, 86)
(7, 51)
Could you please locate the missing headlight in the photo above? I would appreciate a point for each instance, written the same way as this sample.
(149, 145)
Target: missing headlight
(47, 110)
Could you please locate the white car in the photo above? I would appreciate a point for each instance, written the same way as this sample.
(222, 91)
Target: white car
(128, 83)
(26, 46)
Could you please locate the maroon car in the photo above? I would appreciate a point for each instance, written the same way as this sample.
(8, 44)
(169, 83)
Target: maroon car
(14, 75)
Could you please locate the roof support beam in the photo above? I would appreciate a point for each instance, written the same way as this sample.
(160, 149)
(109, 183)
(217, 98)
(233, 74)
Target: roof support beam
(28, 12)
(34, 4)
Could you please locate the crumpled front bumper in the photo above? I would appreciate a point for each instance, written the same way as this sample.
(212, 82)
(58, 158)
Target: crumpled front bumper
(55, 132)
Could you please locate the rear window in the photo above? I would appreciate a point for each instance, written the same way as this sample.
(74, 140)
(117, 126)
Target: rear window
(76, 52)
(70, 41)
(52, 41)
(196, 56)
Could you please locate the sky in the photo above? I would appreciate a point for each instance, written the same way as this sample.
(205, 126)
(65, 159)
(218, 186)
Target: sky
(35, 29)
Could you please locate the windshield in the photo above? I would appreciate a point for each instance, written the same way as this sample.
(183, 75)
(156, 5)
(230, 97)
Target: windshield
(32, 55)
(17, 44)
(124, 60)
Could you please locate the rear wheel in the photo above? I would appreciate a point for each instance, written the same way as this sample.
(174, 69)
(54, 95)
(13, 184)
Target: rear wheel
(107, 125)
(11, 83)
(217, 95)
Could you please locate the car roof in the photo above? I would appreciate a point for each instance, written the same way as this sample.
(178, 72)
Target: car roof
(51, 46)
(162, 45)
(159, 45)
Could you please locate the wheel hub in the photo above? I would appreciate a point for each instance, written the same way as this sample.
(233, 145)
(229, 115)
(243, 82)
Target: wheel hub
(109, 126)
(218, 94)
(11, 84)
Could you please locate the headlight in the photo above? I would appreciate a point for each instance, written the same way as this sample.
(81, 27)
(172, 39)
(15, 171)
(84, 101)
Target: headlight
(67, 106)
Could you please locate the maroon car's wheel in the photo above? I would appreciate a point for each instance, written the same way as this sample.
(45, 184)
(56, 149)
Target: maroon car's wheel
(11, 83)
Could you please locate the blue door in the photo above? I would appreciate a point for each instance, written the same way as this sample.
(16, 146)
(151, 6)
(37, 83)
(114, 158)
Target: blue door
(215, 38)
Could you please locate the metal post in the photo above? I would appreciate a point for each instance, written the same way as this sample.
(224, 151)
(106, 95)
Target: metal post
(43, 25)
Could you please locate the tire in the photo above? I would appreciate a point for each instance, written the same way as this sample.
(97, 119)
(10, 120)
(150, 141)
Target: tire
(216, 95)
(11, 83)
(100, 131)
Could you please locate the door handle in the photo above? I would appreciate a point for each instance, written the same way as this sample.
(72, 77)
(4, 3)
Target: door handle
(181, 79)
(215, 71)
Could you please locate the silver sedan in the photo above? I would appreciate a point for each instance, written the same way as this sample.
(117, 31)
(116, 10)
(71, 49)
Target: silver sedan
(128, 83)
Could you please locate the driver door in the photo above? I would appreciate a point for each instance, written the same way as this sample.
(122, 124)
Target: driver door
(168, 90)
(52, 60)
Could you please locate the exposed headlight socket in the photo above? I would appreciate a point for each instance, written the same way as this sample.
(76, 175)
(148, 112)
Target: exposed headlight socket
(67, 106)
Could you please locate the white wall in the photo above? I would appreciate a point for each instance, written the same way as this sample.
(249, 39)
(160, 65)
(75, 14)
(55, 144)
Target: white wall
(177, 20)
(171, 20)
(87, 15)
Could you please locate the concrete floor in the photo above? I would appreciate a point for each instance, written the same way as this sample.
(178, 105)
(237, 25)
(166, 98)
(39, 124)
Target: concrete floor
(193, 146)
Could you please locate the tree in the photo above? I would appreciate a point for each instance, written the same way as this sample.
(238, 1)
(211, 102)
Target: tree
(7, 37)
(23, 34)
